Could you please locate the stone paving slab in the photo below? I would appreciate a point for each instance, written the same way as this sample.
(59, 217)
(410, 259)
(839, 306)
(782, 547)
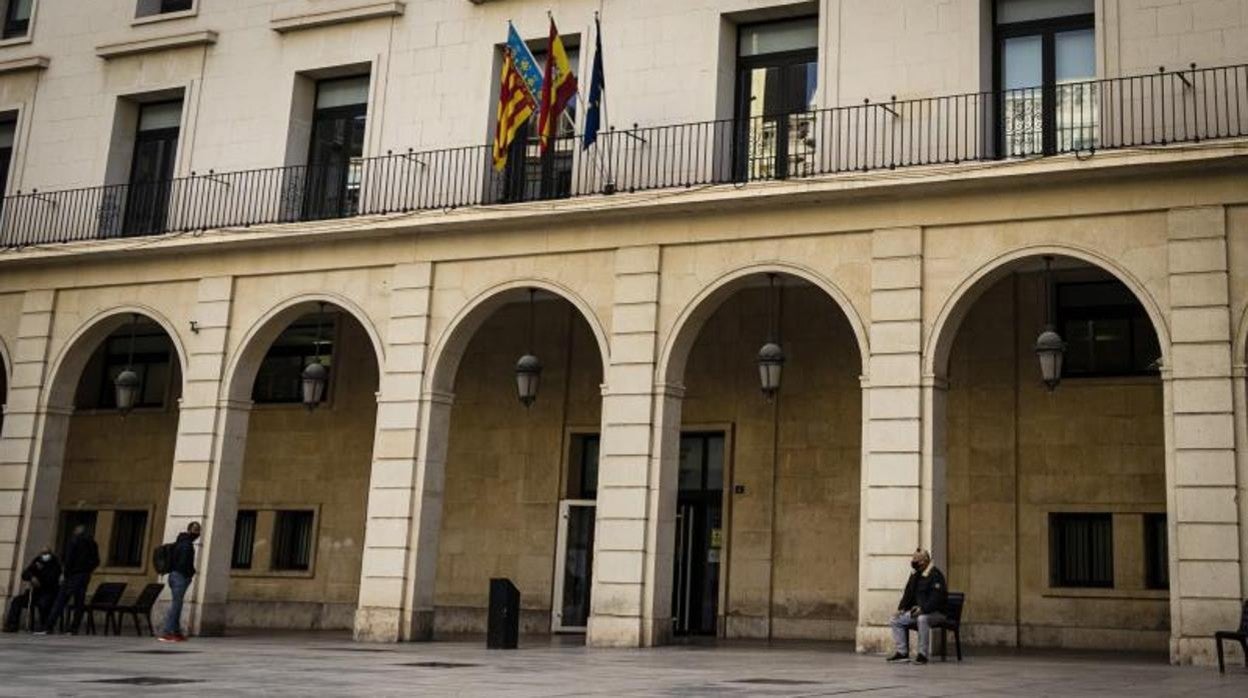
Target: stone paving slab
(329, 664)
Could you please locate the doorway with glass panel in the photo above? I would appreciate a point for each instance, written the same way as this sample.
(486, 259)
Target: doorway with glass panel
(1045, 62)
(777, 72)
(574, 558)
(699, 534)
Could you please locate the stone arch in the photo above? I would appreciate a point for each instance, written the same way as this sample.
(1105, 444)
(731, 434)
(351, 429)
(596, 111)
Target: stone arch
(448, 349)
(675, 350)
(962, 299)
(1241, 339)
(245, 360)
(7, 361)
(65, 369)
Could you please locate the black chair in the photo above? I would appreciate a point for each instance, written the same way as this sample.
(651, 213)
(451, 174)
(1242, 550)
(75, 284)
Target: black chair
(142, 606)
(1240, 636)
(105, 599)
(951, 623)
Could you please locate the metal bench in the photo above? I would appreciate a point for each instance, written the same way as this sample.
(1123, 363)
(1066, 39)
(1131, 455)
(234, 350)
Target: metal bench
(1240, 636)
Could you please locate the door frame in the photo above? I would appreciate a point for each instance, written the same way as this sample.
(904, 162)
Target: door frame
(561, 543)
(728, 429)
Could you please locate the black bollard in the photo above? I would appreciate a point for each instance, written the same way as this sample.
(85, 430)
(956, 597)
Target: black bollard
(504, 622)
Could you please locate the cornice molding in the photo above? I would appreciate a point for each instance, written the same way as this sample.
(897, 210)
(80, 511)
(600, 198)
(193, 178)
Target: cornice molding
(160, 43)
(17, 65)
(299, 21)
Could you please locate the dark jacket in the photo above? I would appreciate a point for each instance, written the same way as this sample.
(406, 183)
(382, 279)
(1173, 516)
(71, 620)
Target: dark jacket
(47, 573)
(82, 555)
(927, 591)
(184, 555)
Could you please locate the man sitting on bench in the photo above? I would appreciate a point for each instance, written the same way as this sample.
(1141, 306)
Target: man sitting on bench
(922, 605)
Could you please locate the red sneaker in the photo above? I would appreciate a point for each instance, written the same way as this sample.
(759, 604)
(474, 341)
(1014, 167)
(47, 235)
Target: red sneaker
(179, 637)
(167, 638)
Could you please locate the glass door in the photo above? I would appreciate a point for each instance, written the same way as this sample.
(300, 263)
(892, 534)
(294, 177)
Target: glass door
(574, 564)
(151, 170)
(335, 161)
(699, 534)
(777, 73)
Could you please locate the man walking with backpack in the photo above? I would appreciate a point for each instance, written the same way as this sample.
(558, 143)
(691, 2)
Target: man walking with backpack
(180, 556)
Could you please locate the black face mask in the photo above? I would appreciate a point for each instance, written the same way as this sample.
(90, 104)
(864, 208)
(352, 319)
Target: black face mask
(916, 565)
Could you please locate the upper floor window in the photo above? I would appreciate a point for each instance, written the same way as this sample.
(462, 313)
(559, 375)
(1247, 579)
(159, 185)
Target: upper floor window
(147, 8)
(16, 18)
(529, 175)
(151, 170)
(1045, 57)
(280, 377)
(1106, 330)
(8, 133)
(777, 73)
(151, 360)
(335, 153)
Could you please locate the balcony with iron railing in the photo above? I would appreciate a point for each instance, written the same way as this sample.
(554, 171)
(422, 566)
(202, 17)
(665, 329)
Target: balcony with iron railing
(1157, 109)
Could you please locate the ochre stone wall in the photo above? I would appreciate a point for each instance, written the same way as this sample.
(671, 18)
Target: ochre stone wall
(318, 460)
(1093, 445)
(118, 463)
(505, 464)
(792, 536)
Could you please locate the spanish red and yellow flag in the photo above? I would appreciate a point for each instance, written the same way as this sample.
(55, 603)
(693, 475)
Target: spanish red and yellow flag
(558, 88)
(516, 100)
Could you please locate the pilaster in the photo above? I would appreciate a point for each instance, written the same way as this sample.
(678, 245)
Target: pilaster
(1205, 585)
(898, 496)
(19, 439)
(405, 491)
(627, 608)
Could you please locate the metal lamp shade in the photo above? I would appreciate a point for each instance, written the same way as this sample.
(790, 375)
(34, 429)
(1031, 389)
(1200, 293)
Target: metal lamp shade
(1049, 349)
(528, 375)
(126, 386)
(770, 365)
(314, 379)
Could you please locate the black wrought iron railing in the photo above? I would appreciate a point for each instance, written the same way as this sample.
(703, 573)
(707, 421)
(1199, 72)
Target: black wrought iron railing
(1148, 110)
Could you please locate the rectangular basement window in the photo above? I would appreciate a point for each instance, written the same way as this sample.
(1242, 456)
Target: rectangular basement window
(1156, 552)
(1081, 550)
(292, 540)
(126, 547)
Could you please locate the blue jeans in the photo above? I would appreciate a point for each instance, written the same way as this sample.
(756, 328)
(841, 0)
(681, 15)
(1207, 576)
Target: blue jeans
(902, 624)
(178, 584)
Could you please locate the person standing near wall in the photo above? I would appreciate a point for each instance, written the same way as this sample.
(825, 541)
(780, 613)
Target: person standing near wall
(82, 556)
(181, 572)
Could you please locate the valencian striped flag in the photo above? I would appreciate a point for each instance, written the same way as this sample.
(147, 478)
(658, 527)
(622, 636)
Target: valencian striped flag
(558, 88)
(518, 88)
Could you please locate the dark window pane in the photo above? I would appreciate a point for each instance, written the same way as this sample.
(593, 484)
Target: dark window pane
(126, 547)
(71, 519)
(16, 18)
(1081, 550)
(175, 5)
(150, 360)
(1156, 552)
(280, 376)
(244, 540)
(1107, 331)
(585, 449)
(292, 540)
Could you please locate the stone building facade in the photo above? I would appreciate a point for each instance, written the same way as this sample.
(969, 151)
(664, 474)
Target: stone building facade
(907, 297)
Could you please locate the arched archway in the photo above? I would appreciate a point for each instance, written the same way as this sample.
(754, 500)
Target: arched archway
(502, 476)
(1049, 508)
(289, 549)
(5, 374)
(758, 512)
(105, 469)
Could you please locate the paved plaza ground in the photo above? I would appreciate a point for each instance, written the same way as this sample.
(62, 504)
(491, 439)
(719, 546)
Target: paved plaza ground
(330, 664)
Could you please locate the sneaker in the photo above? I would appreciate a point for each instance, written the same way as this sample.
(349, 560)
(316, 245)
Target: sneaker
(898, 657)
(921, 659)
(179, 637)
(167, 637)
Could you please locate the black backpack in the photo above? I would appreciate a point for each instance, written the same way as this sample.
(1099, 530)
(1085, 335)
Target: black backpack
(162, 558)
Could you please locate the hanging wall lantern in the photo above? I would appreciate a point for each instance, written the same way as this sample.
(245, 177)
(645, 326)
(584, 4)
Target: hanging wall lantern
(1049, 345)
(126, 384)
(529, 367)
(771, 356)
(315, 376)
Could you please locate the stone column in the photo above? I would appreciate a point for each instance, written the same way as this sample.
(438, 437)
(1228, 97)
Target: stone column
(208, 458)
(897, 510)
(23, 523)
(627, 608)
(400, 536)
(1205, 584)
